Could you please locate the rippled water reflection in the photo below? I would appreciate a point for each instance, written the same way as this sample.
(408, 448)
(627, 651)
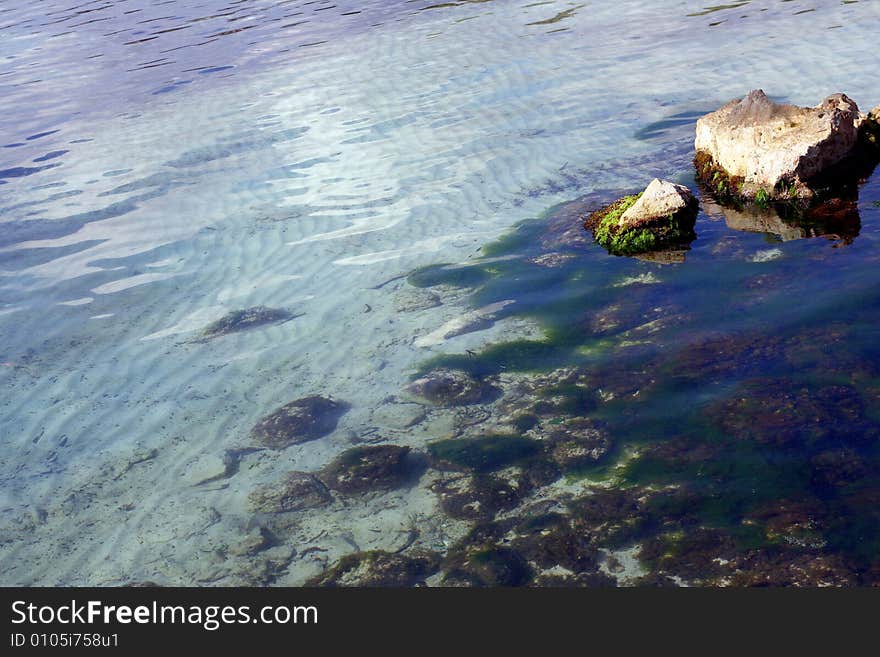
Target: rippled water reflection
(166, 164)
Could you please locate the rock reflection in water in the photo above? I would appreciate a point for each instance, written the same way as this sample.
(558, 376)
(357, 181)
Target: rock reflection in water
(835, 219)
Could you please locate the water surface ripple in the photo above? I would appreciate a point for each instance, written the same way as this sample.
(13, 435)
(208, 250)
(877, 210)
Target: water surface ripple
(165, 163)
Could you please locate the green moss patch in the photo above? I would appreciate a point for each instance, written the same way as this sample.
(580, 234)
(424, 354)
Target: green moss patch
(674, 230)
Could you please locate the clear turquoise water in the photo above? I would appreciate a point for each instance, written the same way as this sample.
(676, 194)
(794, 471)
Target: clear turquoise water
(166, 163)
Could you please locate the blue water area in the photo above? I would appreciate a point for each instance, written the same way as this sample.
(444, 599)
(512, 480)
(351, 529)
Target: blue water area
(212, 209)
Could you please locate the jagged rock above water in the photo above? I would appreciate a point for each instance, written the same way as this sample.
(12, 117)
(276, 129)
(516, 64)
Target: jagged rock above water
(299, 421)
(445, 387)
(756, 149)
(661, 216)
(379, 568)
(367, 468)
(660, 200)
(296, 492)
(243, 320)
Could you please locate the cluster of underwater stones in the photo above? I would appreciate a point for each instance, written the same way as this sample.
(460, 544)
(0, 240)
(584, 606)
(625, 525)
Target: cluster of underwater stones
(523, 478)
(526, 530)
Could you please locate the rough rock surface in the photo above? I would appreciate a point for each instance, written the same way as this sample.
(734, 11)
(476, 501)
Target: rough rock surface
(660, 199)
(754, 148)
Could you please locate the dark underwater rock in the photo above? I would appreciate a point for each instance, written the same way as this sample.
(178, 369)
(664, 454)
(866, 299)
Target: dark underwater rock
(839, 468)
(612, 517)
(481, 497)
(487, 566)
(701, 555)
(797, 522)
(446, 387)
(379, 568)
(299, 421)
(550, 540)
(243, 320)
(789, 568)
(296, 492)
(785, 413)
(367, 468)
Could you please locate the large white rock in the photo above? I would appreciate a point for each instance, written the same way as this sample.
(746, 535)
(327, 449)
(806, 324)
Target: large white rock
(660, 199)
(778, 148)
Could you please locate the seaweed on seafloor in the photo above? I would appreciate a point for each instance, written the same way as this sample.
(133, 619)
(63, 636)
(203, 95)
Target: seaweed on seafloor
(482, 453)
(447, 274)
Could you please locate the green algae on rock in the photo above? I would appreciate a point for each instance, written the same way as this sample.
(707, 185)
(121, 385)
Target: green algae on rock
(658, 218)
(299, 421)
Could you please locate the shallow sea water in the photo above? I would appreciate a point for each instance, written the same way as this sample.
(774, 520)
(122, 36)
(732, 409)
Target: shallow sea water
(164, 164)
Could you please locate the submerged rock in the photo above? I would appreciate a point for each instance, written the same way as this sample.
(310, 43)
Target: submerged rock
(445, 387)
(243, 320)
(661, 217)
(488, 566)
(550, 541)
(756, 149)
(299, 421)
(790, 568)
(790, 414)
(481, 497)
(367, 468)
(379, 568)
(577, 443)
(296, 492)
